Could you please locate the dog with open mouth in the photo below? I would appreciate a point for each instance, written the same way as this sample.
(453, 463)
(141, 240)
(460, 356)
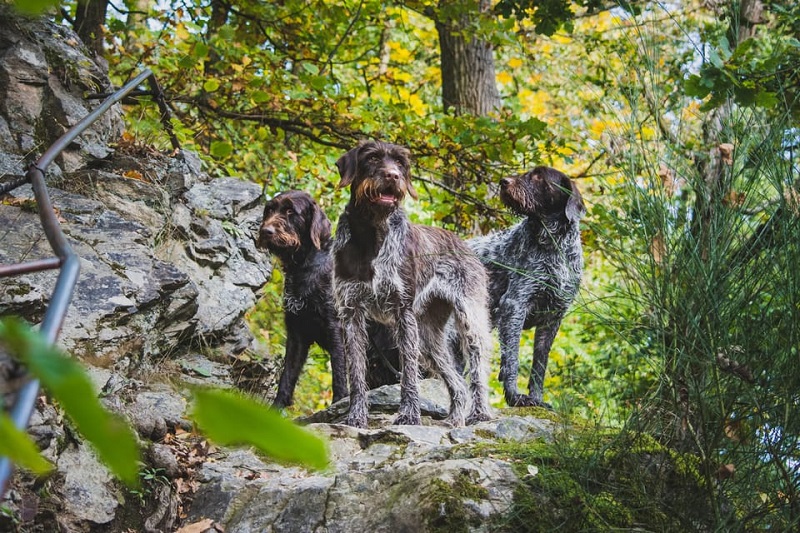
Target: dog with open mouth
(413, 279)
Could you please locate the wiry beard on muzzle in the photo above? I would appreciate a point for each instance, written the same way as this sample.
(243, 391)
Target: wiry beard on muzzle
(280, 239)
(369, 191)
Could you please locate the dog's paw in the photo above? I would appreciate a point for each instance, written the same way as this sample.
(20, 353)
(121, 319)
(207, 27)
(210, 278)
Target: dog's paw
(407, 420)
(523, 400)
(356, 421)
(455, 421)
(474, 418)
(516, 399)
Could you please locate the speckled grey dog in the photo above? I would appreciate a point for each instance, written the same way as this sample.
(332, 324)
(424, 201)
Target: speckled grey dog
(413, 279)
(534, 271)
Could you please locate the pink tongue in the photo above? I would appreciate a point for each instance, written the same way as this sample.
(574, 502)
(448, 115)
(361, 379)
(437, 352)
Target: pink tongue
(387, 198)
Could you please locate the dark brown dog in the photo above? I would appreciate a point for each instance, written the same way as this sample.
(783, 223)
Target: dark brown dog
(298, 233)
(411, 278)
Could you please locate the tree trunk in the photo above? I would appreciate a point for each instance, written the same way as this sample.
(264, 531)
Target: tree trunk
(467, 64)
(90, 16)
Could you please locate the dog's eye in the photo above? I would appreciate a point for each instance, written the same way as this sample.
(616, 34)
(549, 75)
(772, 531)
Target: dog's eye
(288, 211)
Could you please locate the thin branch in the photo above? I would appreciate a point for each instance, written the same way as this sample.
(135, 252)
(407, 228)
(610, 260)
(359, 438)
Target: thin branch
(329, 61)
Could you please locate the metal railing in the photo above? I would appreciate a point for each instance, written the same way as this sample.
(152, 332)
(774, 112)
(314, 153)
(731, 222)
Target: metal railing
(66, 260)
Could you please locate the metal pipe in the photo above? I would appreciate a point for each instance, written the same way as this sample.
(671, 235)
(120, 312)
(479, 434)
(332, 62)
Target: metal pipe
(67, 260)
(31, 266)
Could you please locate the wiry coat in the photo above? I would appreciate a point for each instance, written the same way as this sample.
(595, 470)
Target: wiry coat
(413, 279)
(534, 271)
(298, 233)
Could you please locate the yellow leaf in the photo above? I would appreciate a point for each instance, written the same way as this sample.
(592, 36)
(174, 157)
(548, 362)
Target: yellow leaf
(597, 127)
(514, 62)
(181, 32)
(133, 174)
(400, 54)
(505, 78)
(417, 105)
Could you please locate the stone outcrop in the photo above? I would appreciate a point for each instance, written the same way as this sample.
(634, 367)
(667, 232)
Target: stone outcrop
(385, 479)
(167, 253)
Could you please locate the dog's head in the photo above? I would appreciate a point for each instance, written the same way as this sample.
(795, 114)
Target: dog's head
(543, 191)
(292, 220)
(379, 175)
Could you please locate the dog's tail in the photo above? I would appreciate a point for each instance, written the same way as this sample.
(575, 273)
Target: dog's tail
(474, 338)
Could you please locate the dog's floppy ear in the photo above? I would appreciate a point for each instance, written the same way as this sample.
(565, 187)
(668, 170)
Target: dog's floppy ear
(320, 226)
(574, 208)
(410, 188)
(348, 165)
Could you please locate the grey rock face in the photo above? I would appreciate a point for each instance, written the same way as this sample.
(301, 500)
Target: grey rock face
(168, 262)
(386, 479)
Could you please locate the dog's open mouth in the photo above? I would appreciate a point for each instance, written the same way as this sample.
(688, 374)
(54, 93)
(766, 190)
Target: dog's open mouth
(388, 197)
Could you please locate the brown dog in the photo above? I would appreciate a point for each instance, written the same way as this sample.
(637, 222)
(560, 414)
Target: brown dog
(411, 278)
(298, 233)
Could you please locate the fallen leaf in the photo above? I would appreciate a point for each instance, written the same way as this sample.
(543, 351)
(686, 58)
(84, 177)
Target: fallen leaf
(198, 527)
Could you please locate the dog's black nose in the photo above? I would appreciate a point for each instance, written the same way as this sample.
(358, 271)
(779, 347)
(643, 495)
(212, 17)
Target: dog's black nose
(505, 182)
(268, 230)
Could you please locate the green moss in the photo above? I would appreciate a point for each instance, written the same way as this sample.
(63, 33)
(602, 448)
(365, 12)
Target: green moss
(534, 412)
(600, 479)
(484, 434)
(446, 510)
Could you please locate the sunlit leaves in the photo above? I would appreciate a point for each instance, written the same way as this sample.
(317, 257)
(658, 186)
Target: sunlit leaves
(211, 85)
(66, 381)
(221, 149)
(757, 73)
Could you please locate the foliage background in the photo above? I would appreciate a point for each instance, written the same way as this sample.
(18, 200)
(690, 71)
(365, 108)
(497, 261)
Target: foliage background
(677, 119)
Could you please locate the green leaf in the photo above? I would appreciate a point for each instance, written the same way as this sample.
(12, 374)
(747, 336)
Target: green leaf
(187, 62)
(319, 82)
(766, 99)
(311, 68)
(200, 50)
(221, 149)
(228, 418)
(19, 448)
(34, 7)
(211, 85)
(260, 97)
(66, 381)
(694, 86)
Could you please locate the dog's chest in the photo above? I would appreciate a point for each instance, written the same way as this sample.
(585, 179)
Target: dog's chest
(368, 275)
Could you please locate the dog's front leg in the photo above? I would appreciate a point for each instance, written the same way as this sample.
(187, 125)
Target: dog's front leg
(296, 355)
(542, 342)
(354, 335)
(338, 361)
(510, 321)
(408, 345)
